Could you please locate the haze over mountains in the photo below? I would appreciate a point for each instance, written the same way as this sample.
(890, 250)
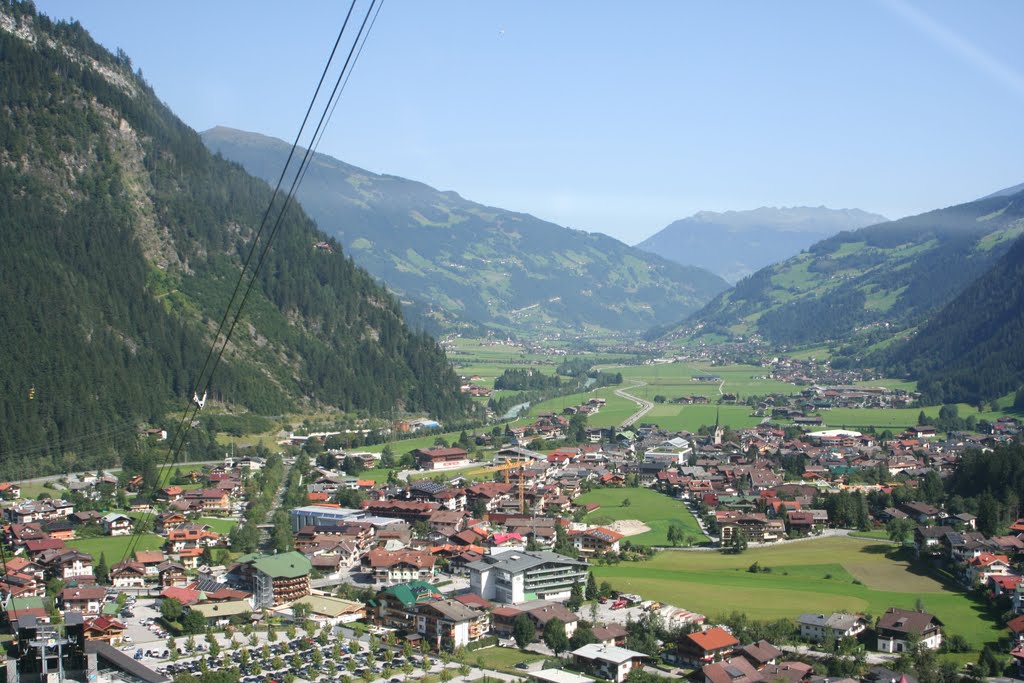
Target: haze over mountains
(479, 263)
(734, 244)
(863, 288)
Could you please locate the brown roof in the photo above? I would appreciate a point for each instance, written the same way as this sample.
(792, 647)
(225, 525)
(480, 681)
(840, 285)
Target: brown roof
(907, 621)
(609, 632)
(735, 670)
(378, 557)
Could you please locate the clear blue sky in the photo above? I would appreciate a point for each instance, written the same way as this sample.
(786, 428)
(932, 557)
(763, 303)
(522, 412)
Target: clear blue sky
(617, 117)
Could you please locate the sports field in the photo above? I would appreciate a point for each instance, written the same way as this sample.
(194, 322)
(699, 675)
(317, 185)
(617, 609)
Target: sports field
(654, 509)
(811, 576)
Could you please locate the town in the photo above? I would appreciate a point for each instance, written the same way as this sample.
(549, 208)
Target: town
(494, 561)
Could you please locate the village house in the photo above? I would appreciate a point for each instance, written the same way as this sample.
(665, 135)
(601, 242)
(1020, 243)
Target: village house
(596, 540)
(703, 647)
(398, 566)
(85, 599)
(896, 626)
(128, 575)
(609, 662)
(442, 458)
(116, 524)
(836, 626)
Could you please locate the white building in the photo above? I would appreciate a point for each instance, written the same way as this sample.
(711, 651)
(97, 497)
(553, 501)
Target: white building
(838, 625)
(608, 661)
(517, 576)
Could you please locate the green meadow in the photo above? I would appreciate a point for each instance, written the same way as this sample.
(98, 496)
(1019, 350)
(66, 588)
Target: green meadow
(115, 547)
(654, 509)
(821, 576)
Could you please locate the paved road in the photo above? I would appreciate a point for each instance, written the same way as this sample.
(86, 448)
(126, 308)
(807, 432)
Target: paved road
(645, 405)
(873, 658)
(826, 533)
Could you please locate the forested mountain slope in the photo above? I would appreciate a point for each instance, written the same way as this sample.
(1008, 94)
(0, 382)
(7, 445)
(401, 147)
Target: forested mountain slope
(864, 286)
(123, 238)
(970, 351)
(734, 244)
(477, 262)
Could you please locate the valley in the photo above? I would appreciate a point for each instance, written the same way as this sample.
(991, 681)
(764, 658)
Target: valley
(429, 439)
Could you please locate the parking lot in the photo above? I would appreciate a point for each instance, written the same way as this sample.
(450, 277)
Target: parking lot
(309, 660)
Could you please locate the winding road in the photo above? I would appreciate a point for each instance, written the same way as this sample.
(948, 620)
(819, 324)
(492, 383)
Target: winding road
(645, 405)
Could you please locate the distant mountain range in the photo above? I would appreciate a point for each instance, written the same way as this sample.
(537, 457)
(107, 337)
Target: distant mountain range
(735, 244)
(509, 270)
(864, 287)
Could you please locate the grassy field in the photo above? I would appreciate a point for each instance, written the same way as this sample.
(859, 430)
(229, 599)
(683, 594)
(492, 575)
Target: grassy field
(220, 525)
(504, 658)
(654, 509)
(114, 547)
(811, 576)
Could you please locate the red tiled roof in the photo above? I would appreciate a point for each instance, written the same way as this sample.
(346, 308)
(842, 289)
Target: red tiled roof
(714, 638)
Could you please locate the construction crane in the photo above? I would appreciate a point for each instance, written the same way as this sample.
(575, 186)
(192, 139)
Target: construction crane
(506, 467)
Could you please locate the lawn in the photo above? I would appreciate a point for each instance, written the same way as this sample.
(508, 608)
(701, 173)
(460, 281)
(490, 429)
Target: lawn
(504, 658)
(114, 547)
(654, 509)
(221, 525)
(812, 576)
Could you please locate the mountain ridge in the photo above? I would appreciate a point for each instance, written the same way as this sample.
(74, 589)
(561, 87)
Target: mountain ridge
(734, 244)
(124, 239)
(864, 286)
(968, 351)
(505, 268)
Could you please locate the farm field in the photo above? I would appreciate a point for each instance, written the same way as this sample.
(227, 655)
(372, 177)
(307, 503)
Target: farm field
(115, 546)
(899, 418)
(810, 576)
(654, 509)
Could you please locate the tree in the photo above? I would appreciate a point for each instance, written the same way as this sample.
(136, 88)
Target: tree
(583, 635)
(554, 636)
(301, 610)
(626, 502)
(103, 569)
(900, 530)
(214, 644)
(676, 534)
(170, 610)
(193, 622)
(738, 544)
(575, 600)
(989, 514)
(591, 587)
(523, 631)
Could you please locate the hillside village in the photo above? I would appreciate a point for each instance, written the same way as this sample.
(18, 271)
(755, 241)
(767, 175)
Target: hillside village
(472, 554)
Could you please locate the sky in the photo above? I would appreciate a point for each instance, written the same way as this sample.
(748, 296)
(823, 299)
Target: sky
(616, 117)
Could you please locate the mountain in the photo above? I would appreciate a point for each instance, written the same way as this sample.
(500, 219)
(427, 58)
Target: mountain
(969, 351)
(1006, 192)
(866, 286)
(734, 244)
(123, 240)
(482, 264)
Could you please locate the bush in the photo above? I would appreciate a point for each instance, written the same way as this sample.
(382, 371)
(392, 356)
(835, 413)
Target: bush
(489, 641)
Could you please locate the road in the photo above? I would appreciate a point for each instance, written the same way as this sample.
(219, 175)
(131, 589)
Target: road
(825, 533)
(872, 658)
(645, 405)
